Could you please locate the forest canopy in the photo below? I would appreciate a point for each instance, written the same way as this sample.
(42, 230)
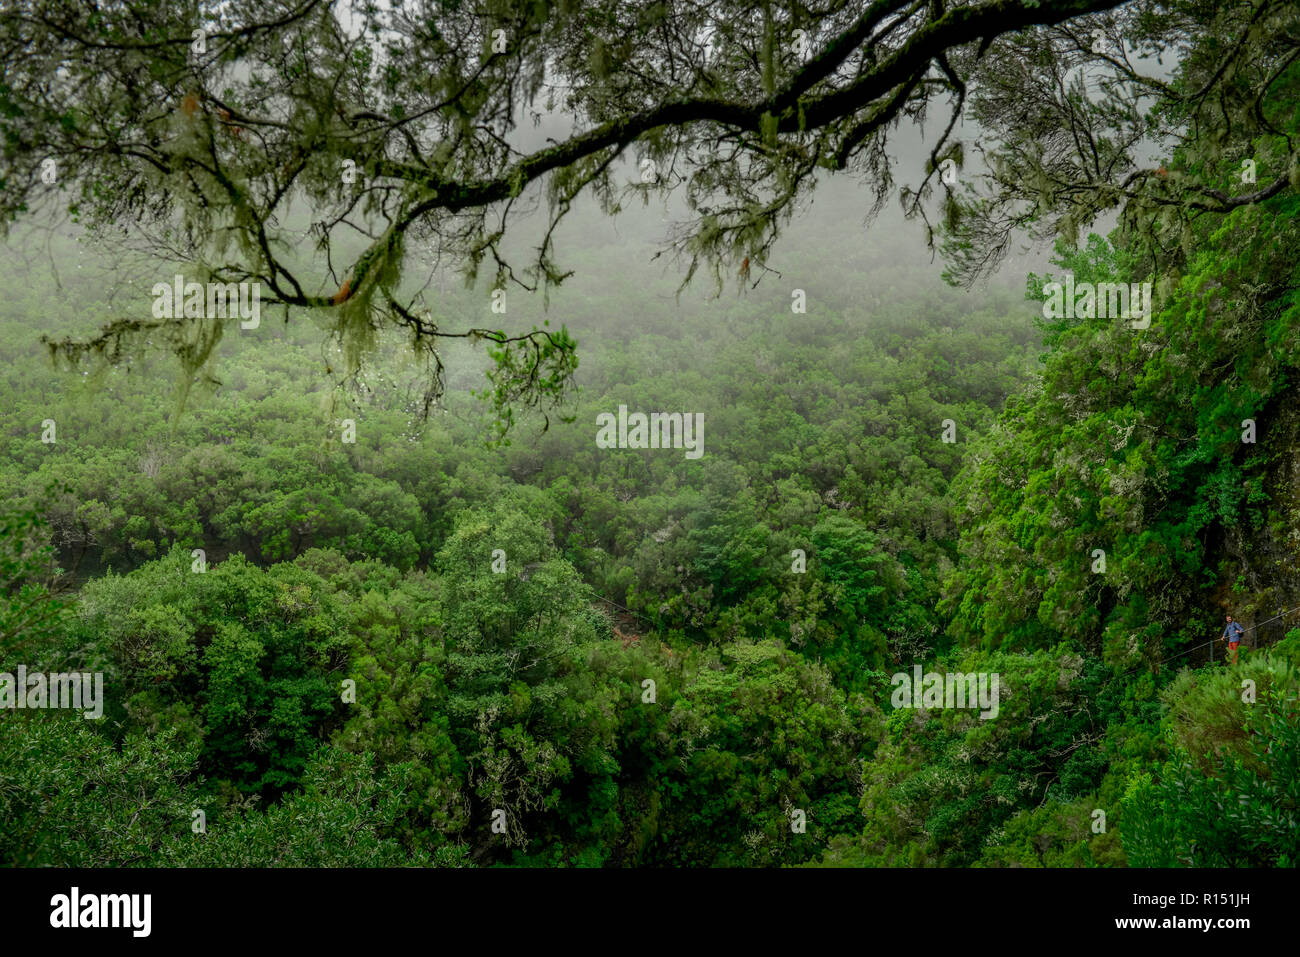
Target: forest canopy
(352, 627)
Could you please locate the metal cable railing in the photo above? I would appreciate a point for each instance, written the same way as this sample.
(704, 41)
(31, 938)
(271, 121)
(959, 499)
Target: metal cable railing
(1211, 643)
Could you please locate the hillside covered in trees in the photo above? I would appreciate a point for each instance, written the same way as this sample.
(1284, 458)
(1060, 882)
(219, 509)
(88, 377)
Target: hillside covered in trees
(367, 587)
(326, 560)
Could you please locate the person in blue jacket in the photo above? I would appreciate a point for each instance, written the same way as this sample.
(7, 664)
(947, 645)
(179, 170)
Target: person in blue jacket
(1232, 633)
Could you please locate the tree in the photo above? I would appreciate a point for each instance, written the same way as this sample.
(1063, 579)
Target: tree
(1073, 110)
(241, 659)
(517, 627)
(210, 130)
(1230, 796)
(346, 815)
(29, 614)
(70, 798)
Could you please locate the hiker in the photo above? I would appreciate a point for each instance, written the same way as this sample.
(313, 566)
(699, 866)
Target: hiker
(1232, 632)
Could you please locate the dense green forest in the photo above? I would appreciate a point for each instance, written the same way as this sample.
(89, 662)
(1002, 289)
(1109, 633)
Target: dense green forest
(347, 617)
(325, 560)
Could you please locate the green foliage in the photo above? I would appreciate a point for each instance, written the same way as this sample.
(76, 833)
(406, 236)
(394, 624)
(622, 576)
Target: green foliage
(1230, 795)
(71, 798)
(29, 613)
(249, 655)
(375, 569)
(343, 816)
